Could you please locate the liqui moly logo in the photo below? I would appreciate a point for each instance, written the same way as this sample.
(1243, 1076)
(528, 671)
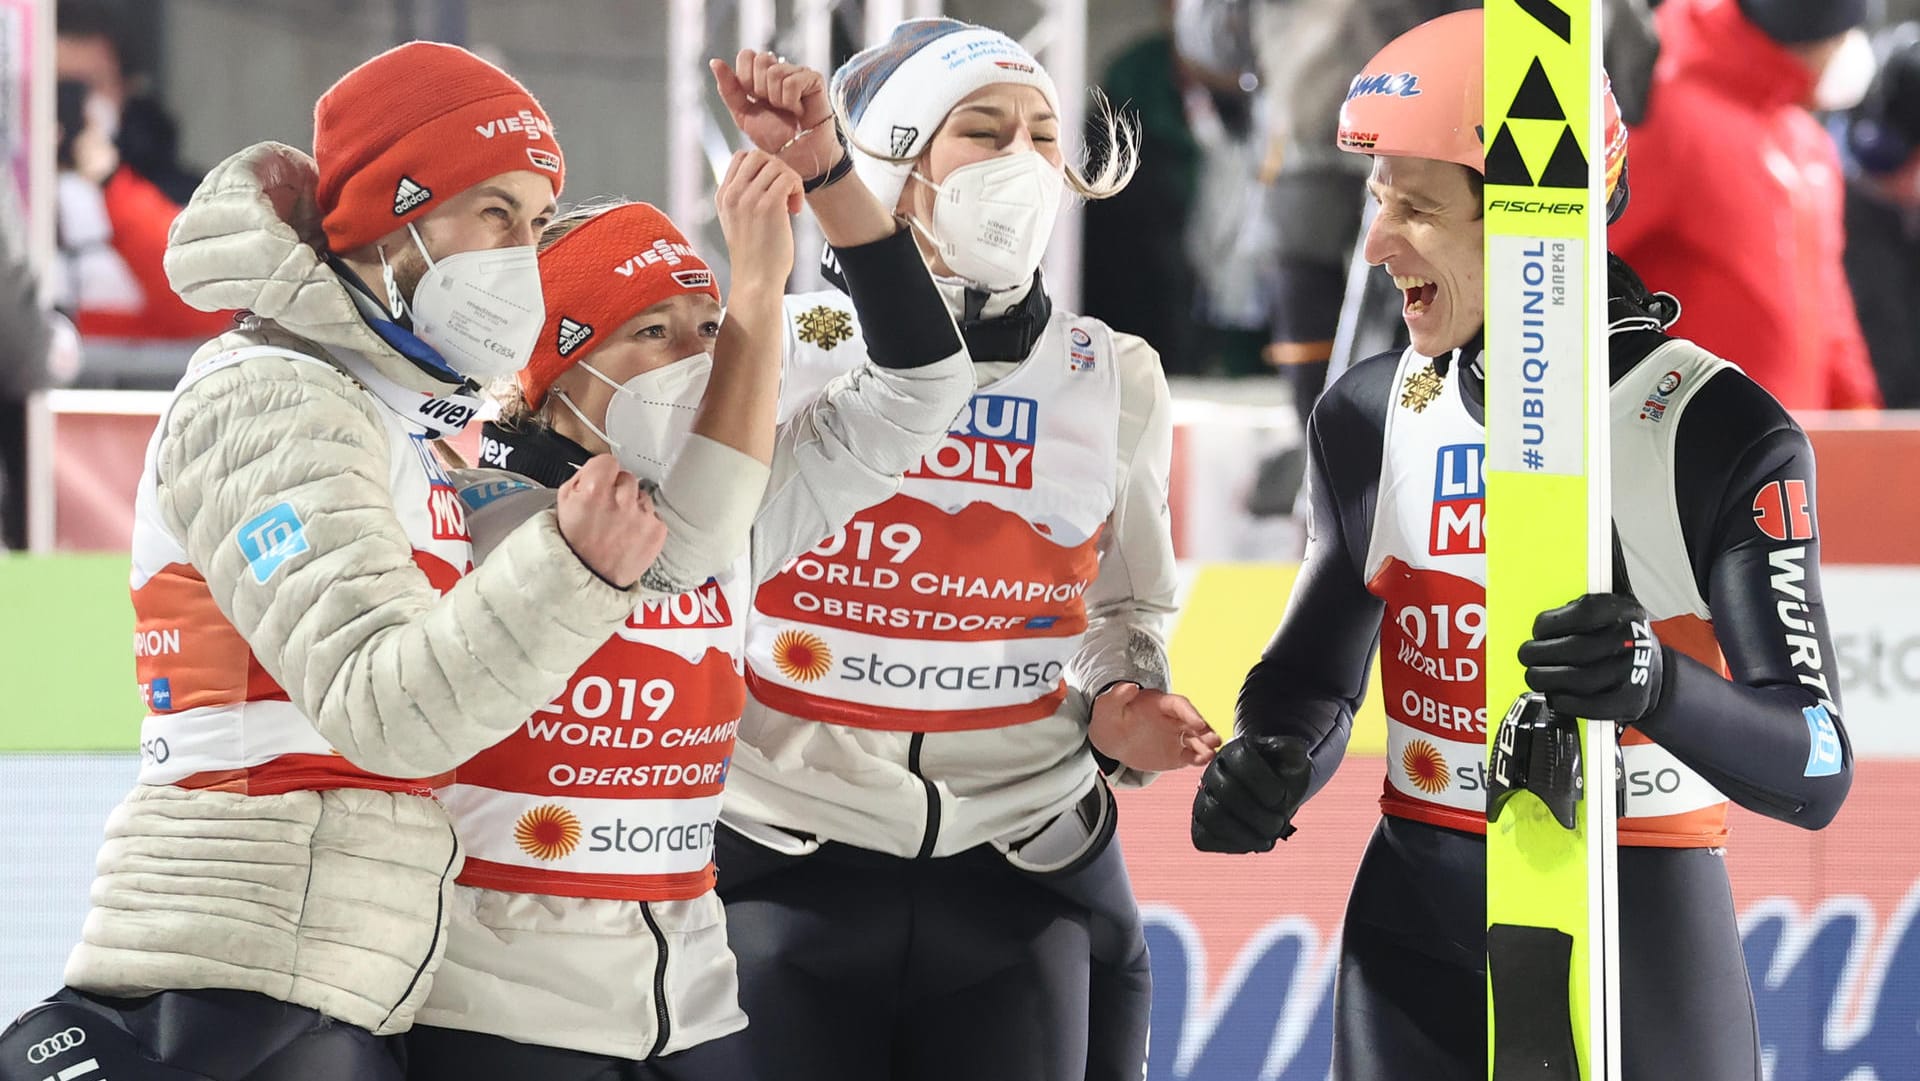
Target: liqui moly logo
(1458, 524)
(444, 510)
(705, 606)
(991, 442)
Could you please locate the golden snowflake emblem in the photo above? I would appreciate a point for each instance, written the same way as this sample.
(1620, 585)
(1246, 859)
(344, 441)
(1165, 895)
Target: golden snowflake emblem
(824, 327)
(1421, 388)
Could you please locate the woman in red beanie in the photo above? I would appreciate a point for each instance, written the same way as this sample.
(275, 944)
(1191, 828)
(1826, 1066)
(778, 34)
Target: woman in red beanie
(586, 939)
(316, 648)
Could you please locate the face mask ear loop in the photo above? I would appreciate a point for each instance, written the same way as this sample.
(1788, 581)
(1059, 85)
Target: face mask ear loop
(925, 233)
(422, 245)
(396, 306)
(603, 377)
(591, 426)
(914, 223)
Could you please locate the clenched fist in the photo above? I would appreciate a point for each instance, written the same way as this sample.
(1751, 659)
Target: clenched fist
(609, 522)
(782, 108)
(1248, 796)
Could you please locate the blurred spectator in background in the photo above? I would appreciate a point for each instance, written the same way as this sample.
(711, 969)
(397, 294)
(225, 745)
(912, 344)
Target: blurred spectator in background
(1182, 253)
(1737, 204)
(1134, 269)
(1229, 241)
(1883, 218)
(113, 220)
(149, 145)
(1309, 50)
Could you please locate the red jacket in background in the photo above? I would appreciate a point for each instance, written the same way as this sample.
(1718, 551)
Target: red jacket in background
(141, 215)
(1737, 209)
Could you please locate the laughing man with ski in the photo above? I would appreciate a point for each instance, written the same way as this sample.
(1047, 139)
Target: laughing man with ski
(1712, 653)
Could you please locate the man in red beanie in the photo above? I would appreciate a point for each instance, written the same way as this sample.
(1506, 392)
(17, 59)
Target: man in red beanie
(469, 169)
(313, 643)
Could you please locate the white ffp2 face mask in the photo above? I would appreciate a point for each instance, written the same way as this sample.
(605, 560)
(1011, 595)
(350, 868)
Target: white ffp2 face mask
(992, 219)
(651, 415)
(480, 310)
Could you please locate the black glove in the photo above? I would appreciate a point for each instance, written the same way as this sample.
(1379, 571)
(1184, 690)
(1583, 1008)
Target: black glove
(1249, 793)
(1596, 658)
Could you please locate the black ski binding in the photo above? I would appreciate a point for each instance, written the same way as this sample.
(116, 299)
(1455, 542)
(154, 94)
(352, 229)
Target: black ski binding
(1536, 749)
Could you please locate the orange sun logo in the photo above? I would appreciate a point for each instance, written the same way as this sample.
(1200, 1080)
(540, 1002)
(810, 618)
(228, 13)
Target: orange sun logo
(548, 832)
(800, 656)
(1425, 768)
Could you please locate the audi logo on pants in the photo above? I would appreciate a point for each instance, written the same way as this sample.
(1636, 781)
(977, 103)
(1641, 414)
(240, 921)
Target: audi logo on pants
(57, 1044)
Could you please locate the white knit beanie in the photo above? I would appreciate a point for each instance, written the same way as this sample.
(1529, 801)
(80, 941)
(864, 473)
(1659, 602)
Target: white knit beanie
(898, 93)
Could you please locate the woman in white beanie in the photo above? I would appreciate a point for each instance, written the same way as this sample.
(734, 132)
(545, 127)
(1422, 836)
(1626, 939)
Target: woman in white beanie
(585, 941)
(917, 851)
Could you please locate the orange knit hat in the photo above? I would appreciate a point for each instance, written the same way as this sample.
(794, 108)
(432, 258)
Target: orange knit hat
(604, 272)
(417, 125)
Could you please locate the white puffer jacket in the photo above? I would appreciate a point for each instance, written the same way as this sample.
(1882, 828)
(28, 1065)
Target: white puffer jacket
(334, 900)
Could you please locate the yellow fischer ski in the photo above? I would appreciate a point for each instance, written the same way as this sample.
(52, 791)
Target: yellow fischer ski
(1553, 1002)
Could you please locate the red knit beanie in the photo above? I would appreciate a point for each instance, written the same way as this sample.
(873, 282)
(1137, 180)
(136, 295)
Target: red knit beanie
(415, 126)
(604, 272)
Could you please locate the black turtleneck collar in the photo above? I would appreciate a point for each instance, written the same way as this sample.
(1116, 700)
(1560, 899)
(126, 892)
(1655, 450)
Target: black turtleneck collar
(1468, 363)
(1637, 318)
(1011, 335)
(534, 451)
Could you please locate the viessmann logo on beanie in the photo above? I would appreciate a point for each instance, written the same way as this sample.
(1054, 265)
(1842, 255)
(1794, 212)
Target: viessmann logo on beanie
(609, 269)
(415, 126)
